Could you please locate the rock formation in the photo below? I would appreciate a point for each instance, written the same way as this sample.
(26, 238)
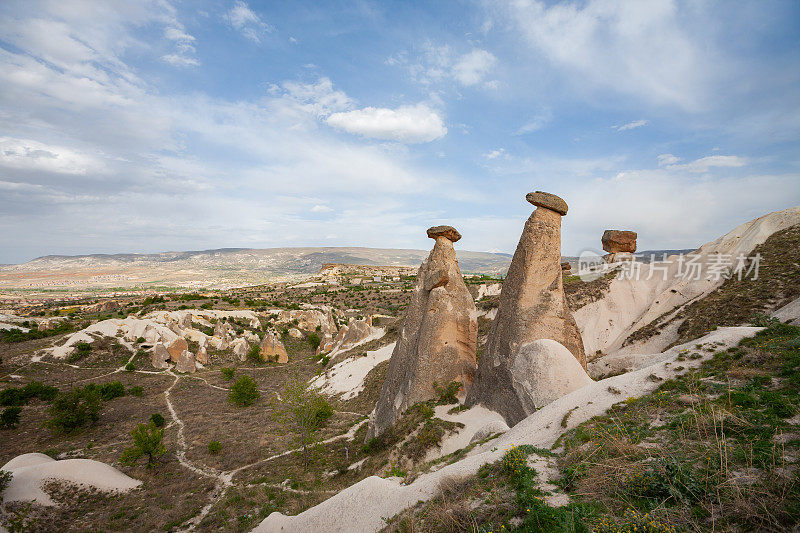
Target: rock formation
(160, 356)
(176, 348)
(240, 347)
(202, 355)
(438, 338)
(272, 348)
(533, 306)
(310, 319)
(619, 244)
(186, 363)
(295, 333)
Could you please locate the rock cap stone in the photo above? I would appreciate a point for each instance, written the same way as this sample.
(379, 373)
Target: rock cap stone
(548, 201)
(449, 232)
(615, 240)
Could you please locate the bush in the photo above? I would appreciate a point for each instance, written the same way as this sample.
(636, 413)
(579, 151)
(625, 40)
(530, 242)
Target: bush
(16, 396)
(227, 373)
(447, 395)
(108, 391)
(83, 348)
(214, 447)
(254, 355)
(73, 410)
(146, 443)
(314, 340)
(157, 420)
(243, 392)
(136, 390)
(5, 480)
(130, 367)
(9, 418)
(140, 340)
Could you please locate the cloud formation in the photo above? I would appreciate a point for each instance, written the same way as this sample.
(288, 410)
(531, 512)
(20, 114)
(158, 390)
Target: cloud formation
(247, 22)
(406, 124)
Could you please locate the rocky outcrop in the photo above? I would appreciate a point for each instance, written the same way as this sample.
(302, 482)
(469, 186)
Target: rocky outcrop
(533, 306)
(310, 319)
(438, 338)
(202, 355)
(240, 347)
(160, 357)
(295, 333)
(272, 348)
(176, 348)
(619, 244)
(186, 363)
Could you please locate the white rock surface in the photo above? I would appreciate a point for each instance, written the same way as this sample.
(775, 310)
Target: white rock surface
(31, 470)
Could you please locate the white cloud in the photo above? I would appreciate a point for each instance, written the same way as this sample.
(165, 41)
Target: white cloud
(630, 125)
(704, 164)
(639, 48)
(177, 60)
(536, 122)
(319, 208)
(184, 44)
(407, 124)
(26, 154)
(473, 67)
(320, 97)
(440, 63)
(667, 159)
(494, 154)
(247, 22)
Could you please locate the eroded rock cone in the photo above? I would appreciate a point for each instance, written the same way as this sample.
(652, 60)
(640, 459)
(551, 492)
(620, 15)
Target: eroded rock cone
(186, 363)
(533, 306)
(160, 356)
(438, 338)
(176, 348)
(272, 349)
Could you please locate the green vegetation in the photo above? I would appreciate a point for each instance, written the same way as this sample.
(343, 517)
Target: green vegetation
(157, 420)
(313, 340)
(243, 392)
(214, 447)
(146, 443)
(447, 395)
(136, 390)
(9, 418)
(227, 373)
(303, 411)
(72, 410)
(18, 396)
(130, 367)
(17, 335)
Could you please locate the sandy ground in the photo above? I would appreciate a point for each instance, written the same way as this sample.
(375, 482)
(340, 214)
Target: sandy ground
(31, 470)
(365, 505)
(347, 377)
(473, 419)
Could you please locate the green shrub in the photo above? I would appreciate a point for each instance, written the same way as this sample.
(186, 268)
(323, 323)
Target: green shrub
(157, 420)
(136, 390)
(108, 391)
(214, 447)
(5, 480)
(83, 348)
(140, 340)
(227, 373)
(130, 367)
(146, 443)
(254, 355)
(447, 395)
(243, 392)
(314, 340)
(73, 410)
(9, 418)
(16, 396)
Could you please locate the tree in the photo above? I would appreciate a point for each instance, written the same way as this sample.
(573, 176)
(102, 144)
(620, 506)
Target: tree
(303, 411)
(10, 417)
(146, 443)
(243, 392)
(73, 410)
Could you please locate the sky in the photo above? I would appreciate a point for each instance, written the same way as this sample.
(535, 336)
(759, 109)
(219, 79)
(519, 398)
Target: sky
(156, 125)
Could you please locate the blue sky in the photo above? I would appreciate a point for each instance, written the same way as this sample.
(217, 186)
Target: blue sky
(181, 125)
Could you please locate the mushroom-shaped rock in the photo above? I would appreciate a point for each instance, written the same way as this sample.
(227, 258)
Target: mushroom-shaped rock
(548, 201)
(532, 306)
(615, 241)
(186, 363)
(437, 340)
(176, 348)
(448, 232)
(160, 356)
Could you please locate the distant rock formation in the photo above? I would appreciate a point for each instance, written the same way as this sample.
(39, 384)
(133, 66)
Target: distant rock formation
(309, 319)
(272, 349)
(438, 338)
(532, 307)
(620, 244)
(186, 363)
(202, 355)
(176, 348)
(240, 347)
(160, 357)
